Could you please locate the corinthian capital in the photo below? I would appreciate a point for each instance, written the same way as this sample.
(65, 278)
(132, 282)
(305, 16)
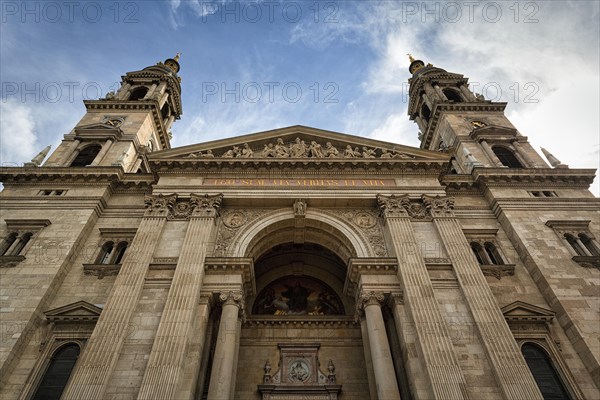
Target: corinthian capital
(439, 206)
(206, 206)
(370, 298)
(392, 206)
(231, 297)
(159, 205)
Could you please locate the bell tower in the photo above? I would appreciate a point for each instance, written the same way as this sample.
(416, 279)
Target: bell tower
(451, 117)
(118, 129)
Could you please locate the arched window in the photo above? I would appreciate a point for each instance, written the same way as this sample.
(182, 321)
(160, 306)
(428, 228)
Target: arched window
(86, 156)
(7, 242)
(589, 244)
(138, 93)
(507, 157)
(573, 242)
(544, 373)
(425, 113)
(22, 243)
(58, 373)
(479, 253)
(105, 252)
(165, 111)
(452, 95)
(493, 253)
(120, 252)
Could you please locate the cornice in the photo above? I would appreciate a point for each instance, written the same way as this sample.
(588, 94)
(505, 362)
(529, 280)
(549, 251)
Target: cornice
(440, 107)
(338, 166)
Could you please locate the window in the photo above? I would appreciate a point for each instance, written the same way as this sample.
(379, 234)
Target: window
(51, 192)
(582, 245)
(111, 254)
(487, 254)
(425, 113)
(58, 373)
(8, 242)
(544, 193)
(138, 93)
(544, 373)
(86, 156)
(507, 157)
(452, 95)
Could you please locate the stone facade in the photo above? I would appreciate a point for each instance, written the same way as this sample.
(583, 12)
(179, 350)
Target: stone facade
(299, 263)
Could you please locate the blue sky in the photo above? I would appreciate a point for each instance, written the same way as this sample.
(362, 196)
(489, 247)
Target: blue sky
(332, 65)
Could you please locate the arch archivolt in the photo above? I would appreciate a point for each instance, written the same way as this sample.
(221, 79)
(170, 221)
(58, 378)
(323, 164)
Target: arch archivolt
(249, 233)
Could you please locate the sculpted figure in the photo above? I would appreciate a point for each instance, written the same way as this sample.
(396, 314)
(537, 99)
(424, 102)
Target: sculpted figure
(298, 148)
(357, 153)
(368, 153)
(316, 150)
(269, 151)
(229, 154)
(401, 155)
(208, 154)
(246, 152)
(385, 154)
(281, 149)
(349, 153)
(330, 151)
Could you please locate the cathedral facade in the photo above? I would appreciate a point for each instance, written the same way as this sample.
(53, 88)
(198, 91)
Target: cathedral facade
(298, 263)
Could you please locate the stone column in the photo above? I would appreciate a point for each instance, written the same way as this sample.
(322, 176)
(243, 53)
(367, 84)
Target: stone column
(439, 361)
(512, 373)
(368, 358)
(429, 90)
(583, 247)
(520, 151)
(428, 102)
(422, 124)
(440, 92)
(123, 92)
(102, 152)
(150, 92)
(165, 366)
(467, 93)
(491, 155)
(223, 367)
(383, 366)
(95, 365)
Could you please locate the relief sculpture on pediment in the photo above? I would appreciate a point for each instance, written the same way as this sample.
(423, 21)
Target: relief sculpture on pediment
(301, 149)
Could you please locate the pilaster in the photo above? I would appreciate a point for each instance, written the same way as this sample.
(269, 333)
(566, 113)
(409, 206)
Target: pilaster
(165, 366)
(438, 358)
(91, 376)
(512, 374)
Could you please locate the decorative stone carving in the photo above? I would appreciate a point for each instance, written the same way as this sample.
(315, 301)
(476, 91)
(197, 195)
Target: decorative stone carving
(267, 376)
(370, 298)
(498, 271)
(331, 371)
(101, 270)
(299, 149)
(392, 206)
(206, 206)
(439, 206)
(232, 221)
(159, 205)
(300, 208)
(10, 261)
(235, 298)
(366, 221)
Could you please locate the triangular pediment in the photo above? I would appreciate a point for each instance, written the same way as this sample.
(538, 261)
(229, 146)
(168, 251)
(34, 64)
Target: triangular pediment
(78, 311)
(521, 311)
(98, 130)
(299, 142)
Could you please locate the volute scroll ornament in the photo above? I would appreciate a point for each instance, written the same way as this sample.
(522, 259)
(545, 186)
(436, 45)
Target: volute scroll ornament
(439, 206)
(392, 206)
(206, 206)
(370, 298)
(159, 205)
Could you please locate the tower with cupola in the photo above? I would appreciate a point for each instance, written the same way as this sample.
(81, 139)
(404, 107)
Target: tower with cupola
(119, 128)
(451, 117)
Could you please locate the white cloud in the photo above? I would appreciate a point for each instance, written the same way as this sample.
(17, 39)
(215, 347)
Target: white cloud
(18, 133)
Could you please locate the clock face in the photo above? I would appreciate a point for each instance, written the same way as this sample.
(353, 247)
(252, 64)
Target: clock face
(478, 124)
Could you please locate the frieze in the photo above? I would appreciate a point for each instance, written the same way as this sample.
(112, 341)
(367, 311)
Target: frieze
(418, 209)
(498, 271)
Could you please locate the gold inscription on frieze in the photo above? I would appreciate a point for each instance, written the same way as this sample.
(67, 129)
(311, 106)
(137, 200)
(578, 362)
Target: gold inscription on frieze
(259, 182)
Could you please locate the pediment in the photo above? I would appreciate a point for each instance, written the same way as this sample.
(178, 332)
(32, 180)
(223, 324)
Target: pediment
(98, 130)
(78, 311)
(296, 142)
(495, 131)
(519, 311)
